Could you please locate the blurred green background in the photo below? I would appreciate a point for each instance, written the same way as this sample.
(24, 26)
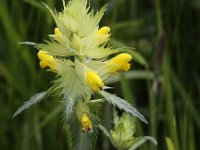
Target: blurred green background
(164, 83)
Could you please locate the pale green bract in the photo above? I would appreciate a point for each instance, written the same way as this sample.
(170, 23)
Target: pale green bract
(78, 26)
(122, 133)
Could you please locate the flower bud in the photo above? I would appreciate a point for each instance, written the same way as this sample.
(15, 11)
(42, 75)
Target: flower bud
(57, 32)
(86, 123)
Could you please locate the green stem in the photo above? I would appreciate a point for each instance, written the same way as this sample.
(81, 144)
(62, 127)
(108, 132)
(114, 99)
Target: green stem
(158, 16)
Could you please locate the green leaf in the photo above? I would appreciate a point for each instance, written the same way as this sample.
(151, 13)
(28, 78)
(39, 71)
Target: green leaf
(169, 143)
(32, 101)
(28, 43)
(106, 133)
(141, 140)
(36, 4)
(122, 104)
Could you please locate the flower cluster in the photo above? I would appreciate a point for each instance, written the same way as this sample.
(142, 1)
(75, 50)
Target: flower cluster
(78, 53)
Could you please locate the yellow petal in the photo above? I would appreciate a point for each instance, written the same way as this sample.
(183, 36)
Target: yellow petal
(103, 30)
(94, 81)
(120, 62)
(43, 56)
(46, 60)
(43, 64)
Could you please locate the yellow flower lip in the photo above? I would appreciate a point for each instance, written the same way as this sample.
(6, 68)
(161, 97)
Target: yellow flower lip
(86, 123)
(103, 30)
(120, 62)
(94, 81)
(46, 60)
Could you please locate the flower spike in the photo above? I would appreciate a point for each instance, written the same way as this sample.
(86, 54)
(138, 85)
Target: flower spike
(76, 52)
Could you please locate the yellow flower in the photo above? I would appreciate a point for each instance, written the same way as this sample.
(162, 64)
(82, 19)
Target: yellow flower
(57, 32)
(120, 62)
(86, 123)
(103, 30)
(46, 60)
(94, 81)
(102, 35)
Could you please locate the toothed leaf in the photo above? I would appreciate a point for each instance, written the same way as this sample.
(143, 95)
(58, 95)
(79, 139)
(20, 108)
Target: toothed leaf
(32, 101)
(123, 105)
